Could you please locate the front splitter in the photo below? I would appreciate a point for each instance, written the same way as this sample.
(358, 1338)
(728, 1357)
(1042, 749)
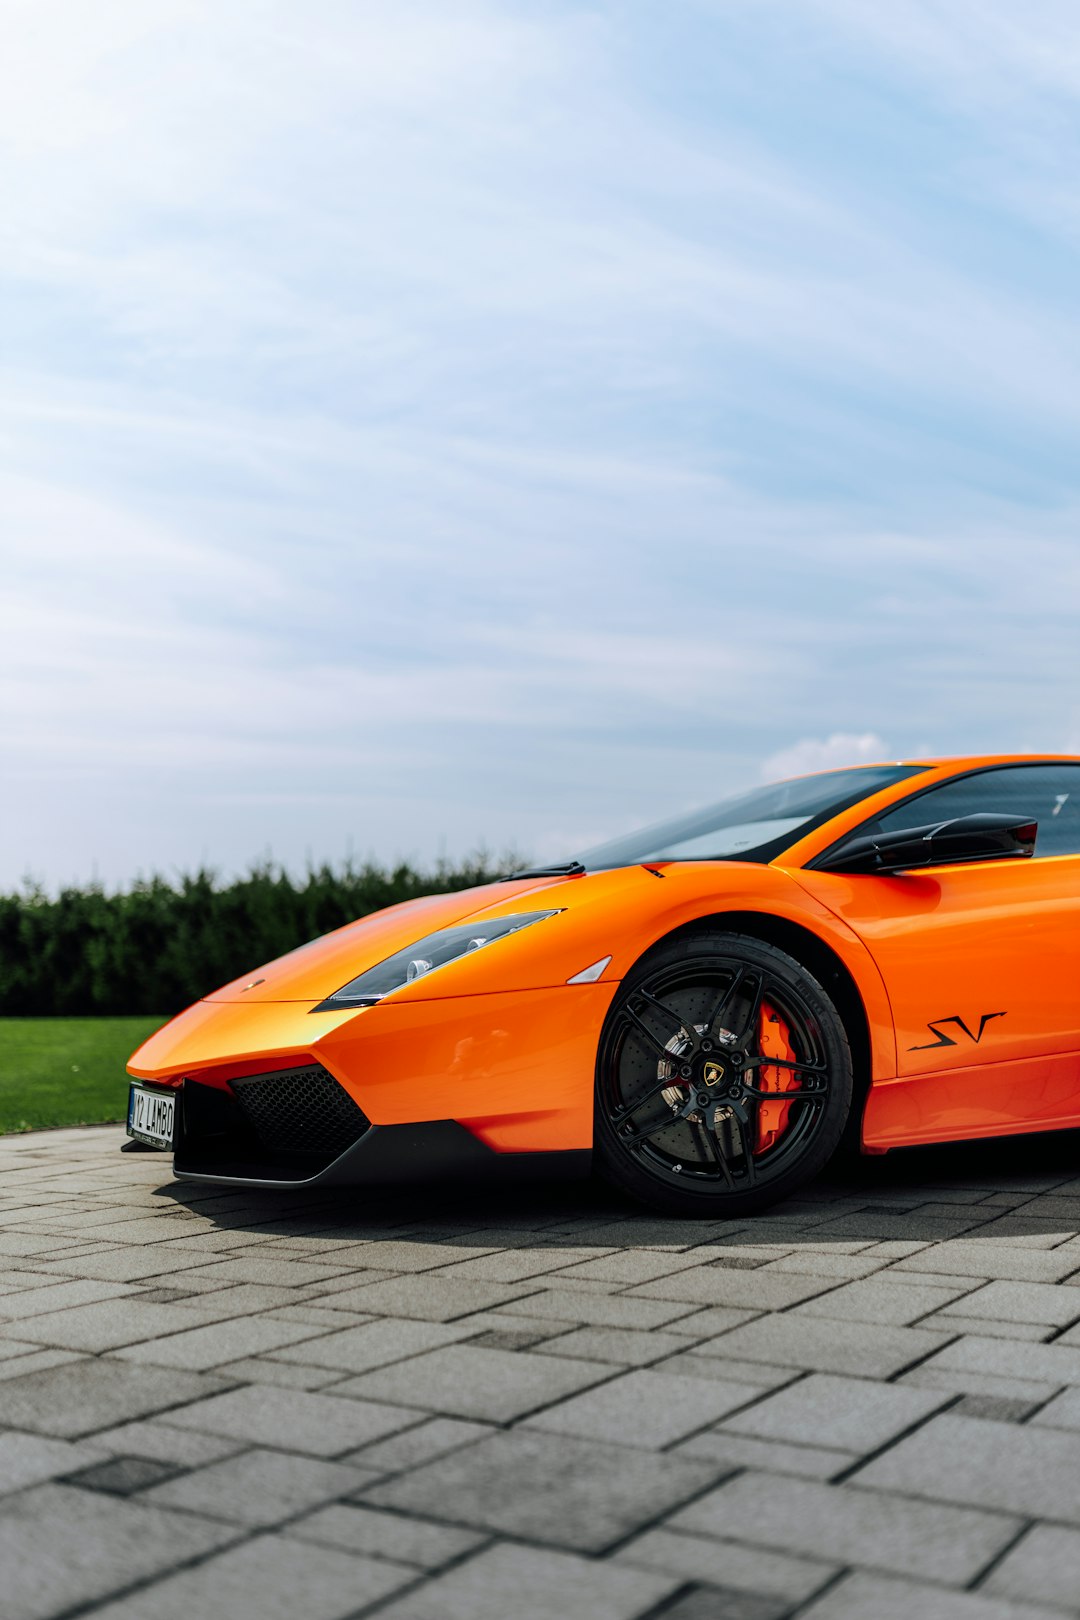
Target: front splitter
(392, 1155)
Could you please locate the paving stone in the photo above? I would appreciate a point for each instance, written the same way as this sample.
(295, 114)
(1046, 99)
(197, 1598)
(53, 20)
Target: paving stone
(122, 1476)
(257, 1370)
(428, 1440)
(373, 1344)
(572, 1493)
(134, 1230)
(268, 1578)
(532, 1584)
(165, 1296)
(823, 1345)
(897, 1226)
(403, 1254)
(749, 1260)
(26, 1243)
(125, 1264)
(620, 1346)
(729, 1564)
(600, 1310)
(1016, 1468)
(1020, 1302)
(999, 1408)
(709, 1320)
(106, 1545)
(17, 1282)
(721, 1603)
(107, 1325)
(517, 1265)
(500, 1321)
(1063, 1412)
(879, 1597)
(1043, 1567)
(754, 1291)
(265, 1268)
(644, 1409)
(981, 1327)
(29, 1459)
(217, 1342)
(807, 1262)
(689, 1364)
(930, 1279)
(896, 1248)
(943, 1543)
(961, 1381)
(322, 1425)
(321, 1316)
(61, 1296)
(359, 1529)
(508, 1339)
(78, 1397)
(460, 1381)
(432, 1298)
(1028, 1229)
(258, 1487)
(974, 1258)
(155, 1438)
(729, 1452)
(1044, 1363)
(632, 1266)
(849, 1414)
(882, 1300)
(15, 1349)
(642, 1230)
(216, 1304)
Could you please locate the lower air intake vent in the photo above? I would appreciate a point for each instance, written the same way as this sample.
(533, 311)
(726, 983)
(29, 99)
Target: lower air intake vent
(301, 1111)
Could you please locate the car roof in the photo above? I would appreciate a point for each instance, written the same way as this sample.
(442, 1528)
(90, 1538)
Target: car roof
(957, 762)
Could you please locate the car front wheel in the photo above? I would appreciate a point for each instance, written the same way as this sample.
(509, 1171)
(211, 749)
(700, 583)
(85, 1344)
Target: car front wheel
(724, 1077)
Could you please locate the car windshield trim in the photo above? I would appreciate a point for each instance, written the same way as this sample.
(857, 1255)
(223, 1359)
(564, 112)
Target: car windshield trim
(756, 826)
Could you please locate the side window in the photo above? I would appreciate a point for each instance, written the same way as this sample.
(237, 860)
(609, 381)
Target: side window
(1049, 794)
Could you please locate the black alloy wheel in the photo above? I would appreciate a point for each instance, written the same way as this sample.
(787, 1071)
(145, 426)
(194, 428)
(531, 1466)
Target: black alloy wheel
(683, 1078)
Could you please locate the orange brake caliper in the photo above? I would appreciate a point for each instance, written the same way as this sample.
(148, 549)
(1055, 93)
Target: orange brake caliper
(775, 1042)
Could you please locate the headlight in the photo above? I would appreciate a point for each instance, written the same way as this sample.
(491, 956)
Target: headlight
(425, 956)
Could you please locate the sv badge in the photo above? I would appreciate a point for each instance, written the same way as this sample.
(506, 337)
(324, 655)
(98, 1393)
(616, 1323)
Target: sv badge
(935, 1027)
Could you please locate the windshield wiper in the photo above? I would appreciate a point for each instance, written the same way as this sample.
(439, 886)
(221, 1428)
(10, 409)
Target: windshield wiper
(566, 869)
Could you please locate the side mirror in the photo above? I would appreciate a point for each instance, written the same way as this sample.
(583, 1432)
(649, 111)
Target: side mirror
(944, 843)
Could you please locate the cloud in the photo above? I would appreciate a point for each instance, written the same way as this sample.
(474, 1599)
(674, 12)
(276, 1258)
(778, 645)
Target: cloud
(978, 51)
(811, 754)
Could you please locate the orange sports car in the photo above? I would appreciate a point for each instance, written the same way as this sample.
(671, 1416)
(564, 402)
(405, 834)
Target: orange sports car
(706, 1009)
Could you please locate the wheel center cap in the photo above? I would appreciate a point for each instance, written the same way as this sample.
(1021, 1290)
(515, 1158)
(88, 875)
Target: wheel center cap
(712, 1074)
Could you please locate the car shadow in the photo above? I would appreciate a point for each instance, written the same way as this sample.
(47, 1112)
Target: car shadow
(989, 1190)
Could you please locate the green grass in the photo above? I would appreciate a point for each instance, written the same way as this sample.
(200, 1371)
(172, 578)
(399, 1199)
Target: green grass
(66, 1071)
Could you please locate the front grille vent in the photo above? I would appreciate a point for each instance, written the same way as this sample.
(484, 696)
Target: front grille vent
(301, 1111)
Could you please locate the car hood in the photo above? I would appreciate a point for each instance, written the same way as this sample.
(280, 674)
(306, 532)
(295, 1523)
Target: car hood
(317, 969)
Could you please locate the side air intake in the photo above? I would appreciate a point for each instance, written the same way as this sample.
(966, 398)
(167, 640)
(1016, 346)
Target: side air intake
(301, 1111)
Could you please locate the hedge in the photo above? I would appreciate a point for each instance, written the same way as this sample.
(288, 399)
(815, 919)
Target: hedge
(160, 945)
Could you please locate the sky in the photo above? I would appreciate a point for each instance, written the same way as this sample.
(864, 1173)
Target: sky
(432, 424)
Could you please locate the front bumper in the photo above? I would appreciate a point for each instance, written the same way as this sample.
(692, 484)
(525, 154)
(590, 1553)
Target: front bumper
(276, 1095)
(219, 1140)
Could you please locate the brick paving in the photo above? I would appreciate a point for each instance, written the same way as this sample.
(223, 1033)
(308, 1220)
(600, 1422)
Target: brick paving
(539, 1402)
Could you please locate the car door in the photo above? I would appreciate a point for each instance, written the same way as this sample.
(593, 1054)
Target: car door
(981, 962)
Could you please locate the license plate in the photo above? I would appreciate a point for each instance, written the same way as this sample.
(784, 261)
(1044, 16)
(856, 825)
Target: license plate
(151, 1116)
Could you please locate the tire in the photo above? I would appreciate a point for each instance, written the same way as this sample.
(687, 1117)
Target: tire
(684, 1083)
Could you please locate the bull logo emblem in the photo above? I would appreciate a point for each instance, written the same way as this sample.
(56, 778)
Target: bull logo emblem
(712, 1074)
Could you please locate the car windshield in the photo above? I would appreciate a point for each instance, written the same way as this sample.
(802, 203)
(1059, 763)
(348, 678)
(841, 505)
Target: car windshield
(755, 826)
